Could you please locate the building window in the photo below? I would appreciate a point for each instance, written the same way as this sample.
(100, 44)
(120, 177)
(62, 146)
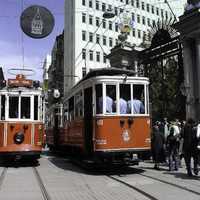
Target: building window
(104, 40)
(91, 55)
(137, 3)
(116, 41)
(97, 21)
(110, 42)
(109, 7)
(166, 15)
(162, 13)
(104, 58)
(84, 35)
(116, 11)
(132, 2)
(133, 16)
(97, 38)
(121, 10)
(148, 22)
(90, 3)
(143, 6)
(91, 37)
(83, 71)
(133, 32)
(97, 5)
(143, 20)
(127, 2)
(139, 33)
(83, 18)
(110, 25)
(138, 18)
(116, 27)
(83, 2)
(104, 23)
(157, 11)
(98, 56)
(152, 10)
(148, 7)
(90, 19)
(103, 7)
(83, 53)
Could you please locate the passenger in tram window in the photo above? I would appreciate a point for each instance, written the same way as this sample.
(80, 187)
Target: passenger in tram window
(138, 106)
(124, 96)
(110, 98)
(122, 106)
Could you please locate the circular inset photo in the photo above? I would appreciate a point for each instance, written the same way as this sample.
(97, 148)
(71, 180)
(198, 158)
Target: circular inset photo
(37, 21)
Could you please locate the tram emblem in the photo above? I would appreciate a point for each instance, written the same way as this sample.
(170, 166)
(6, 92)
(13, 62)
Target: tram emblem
(125, 136)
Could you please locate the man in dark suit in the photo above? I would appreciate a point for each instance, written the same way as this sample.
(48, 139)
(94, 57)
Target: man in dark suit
(190, 146)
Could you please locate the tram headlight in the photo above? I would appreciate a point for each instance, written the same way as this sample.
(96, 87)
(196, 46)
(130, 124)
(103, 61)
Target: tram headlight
(19, 138)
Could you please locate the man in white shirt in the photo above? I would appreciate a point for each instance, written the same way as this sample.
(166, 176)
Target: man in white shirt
(122, 106)
(138, 106)
(109, 104)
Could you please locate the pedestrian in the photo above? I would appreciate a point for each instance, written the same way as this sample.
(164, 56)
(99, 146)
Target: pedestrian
(172, 149)
(157, 142)
(190, 146)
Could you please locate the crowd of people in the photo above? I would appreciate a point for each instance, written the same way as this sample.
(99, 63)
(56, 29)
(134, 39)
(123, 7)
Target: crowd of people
(172, 141)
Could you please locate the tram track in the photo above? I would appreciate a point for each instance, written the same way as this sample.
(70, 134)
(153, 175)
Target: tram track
(41, 184)
(2, 176)
(171, 184)
(149, 196)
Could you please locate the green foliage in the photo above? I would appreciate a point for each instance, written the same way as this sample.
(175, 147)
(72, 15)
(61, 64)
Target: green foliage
(165, 96)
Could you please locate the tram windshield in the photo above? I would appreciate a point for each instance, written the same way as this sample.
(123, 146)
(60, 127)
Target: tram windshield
(122, 99)
(20, 107)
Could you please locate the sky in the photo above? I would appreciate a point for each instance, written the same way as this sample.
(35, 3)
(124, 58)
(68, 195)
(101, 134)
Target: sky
(13, 42)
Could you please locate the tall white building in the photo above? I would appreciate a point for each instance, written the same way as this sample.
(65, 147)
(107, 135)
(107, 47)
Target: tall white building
(88, 37)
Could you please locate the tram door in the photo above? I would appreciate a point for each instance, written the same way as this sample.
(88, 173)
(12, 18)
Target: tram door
(88, 120)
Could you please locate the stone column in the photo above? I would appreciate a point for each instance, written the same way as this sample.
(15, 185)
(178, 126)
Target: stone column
(188, 78)
(197, 78)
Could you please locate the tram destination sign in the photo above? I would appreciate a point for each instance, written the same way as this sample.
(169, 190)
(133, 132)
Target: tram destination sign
(20, 81)
(37, 21)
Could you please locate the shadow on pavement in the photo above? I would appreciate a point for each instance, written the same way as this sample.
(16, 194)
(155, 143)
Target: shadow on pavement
(68, 163)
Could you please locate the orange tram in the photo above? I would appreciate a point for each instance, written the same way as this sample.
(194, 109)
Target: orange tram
(85, 124)
(21, 118)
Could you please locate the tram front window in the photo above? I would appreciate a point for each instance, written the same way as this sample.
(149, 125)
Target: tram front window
(137, 103)
(3, 100)
(125, 95)
(110, 99)
(25, 107)
(99, 100)
(13, 107)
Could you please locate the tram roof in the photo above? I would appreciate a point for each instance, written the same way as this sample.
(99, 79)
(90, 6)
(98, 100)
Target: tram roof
(108, 71)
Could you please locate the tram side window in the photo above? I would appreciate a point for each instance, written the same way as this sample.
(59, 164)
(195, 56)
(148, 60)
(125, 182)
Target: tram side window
(3, 100)
(79, 104)
(71, 108)
(125, 96)
(110, 98)
(137, 103)
(99, 100)
(66, 112)
(25, 107)
(13, 107)
(35, 107)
